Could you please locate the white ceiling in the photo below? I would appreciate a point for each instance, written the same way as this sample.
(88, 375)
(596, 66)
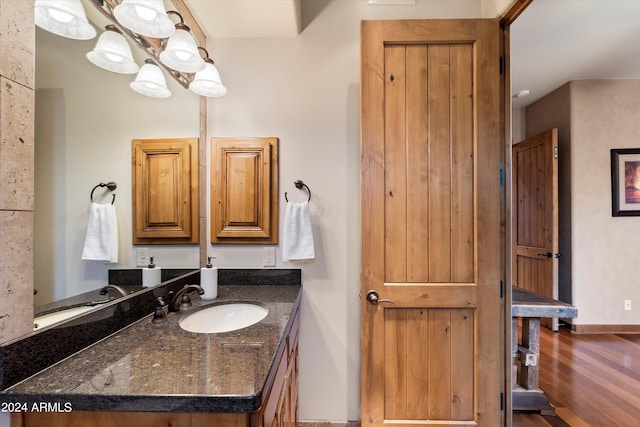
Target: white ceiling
(556, 41)
(552, 42)
(247, 18)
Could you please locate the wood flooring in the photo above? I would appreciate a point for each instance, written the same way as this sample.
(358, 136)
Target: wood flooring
(592, 380)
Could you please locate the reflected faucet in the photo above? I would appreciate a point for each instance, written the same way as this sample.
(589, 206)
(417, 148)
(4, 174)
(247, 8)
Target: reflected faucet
(105, 290)
(178, 298)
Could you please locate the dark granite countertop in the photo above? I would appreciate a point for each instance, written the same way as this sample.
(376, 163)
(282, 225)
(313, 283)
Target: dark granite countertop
(160, 367)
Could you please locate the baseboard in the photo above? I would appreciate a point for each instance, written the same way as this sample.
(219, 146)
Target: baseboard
(605, 329)
(328, 423)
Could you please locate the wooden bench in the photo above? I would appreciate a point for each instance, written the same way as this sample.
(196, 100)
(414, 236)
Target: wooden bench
(526, 310)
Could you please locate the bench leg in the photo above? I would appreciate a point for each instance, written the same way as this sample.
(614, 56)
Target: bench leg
(531, 341)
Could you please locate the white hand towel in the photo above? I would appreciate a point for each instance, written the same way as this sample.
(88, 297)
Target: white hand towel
(101, 240)
(297, 239)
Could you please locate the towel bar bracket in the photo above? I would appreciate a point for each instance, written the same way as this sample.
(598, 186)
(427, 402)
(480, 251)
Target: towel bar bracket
(110, 186)
(299, 184)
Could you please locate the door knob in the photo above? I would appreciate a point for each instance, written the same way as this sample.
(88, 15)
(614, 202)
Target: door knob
(374, 298)
(549, 255)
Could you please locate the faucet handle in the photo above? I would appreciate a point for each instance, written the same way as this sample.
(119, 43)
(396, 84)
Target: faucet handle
(162, 308)
(161, 303)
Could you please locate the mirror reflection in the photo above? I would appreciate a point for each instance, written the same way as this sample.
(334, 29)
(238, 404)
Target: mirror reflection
(86, 118)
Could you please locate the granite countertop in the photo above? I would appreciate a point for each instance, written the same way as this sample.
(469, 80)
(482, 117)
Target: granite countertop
(160, 367)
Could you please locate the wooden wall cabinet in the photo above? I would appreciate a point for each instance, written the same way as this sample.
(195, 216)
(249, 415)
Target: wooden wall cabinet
(244, 190)
(165, 191)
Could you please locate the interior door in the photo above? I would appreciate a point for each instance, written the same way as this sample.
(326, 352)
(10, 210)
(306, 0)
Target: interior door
(535, 187)
(430, 141)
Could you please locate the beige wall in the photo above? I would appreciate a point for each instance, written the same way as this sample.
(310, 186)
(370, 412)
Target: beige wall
(306, 91)
(594, 116)
(16, 167)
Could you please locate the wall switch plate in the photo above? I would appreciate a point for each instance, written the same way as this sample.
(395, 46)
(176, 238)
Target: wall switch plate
(627, 305)
(269, 257)
(142, 257)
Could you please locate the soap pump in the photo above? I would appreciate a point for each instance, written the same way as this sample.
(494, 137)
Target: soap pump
(150, 274)
(209, 280)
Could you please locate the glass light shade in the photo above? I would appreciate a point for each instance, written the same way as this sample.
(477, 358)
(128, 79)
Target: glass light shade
(112, 52)
(150, 82)
(181, 53)
(146, 17)
(207, 82)
(65, 18)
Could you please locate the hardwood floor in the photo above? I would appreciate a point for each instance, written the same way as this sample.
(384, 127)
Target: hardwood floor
(592, 380)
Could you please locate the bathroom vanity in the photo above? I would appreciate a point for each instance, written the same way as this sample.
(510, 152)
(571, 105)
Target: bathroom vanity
(156, 373)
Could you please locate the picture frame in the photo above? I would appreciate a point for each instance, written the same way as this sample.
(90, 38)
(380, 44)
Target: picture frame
(625, 182)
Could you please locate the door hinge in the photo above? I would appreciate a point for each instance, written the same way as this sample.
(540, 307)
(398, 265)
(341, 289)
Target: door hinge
(501, 177)
(502, 65)
(501, 289)
(502, 401)
(555, 153)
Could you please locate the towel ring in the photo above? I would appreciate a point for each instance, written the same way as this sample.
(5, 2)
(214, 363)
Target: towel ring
(299, 184)
(110, 185)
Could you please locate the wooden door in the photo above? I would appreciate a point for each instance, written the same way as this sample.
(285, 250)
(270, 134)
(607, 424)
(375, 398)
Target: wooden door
(431, 245)
(535, 188)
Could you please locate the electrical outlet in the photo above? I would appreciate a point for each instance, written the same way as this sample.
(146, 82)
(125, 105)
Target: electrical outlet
(142, 257)
(269, 257)
(627, 305)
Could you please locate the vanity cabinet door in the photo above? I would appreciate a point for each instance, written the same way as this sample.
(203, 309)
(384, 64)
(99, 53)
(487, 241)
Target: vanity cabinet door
(292, 409)
(121, 419)
(244, 190)
(165, 191)
(100, 419)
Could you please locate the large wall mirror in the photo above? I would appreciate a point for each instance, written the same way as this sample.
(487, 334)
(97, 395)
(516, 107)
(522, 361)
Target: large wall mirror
(86, 118)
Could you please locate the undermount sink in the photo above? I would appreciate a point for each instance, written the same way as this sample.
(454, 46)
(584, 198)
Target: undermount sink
(58, 316)
(223, 318)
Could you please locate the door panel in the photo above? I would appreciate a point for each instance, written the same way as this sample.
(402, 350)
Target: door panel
(431, 222)
(419, 383)
(535, 184)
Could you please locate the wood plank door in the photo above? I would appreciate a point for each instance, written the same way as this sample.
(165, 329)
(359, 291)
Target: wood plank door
(535, 188)
(431, 245)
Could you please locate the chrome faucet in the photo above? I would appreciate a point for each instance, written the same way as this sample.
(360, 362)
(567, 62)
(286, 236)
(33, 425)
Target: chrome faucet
(181, 297)
(105, 290)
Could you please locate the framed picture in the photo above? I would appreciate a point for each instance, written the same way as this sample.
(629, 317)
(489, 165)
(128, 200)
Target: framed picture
(625, 181)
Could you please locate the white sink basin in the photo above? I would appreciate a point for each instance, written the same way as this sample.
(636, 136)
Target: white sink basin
(58, 316)
(223, 318)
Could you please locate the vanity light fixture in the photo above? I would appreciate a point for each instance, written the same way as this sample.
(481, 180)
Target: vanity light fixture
(207, 82)
(112, 52)
(65, 18)
(181, 52)
(150, 81)
(146, 17)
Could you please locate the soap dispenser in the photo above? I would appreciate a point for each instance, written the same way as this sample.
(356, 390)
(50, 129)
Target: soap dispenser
(209, 280)
(150, 274)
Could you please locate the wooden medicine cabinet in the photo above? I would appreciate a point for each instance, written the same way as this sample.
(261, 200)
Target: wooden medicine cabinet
(244, 190)
(165, 191)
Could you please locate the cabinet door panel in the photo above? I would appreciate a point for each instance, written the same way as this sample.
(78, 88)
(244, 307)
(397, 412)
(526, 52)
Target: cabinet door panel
(244, 190)
(165, 191)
